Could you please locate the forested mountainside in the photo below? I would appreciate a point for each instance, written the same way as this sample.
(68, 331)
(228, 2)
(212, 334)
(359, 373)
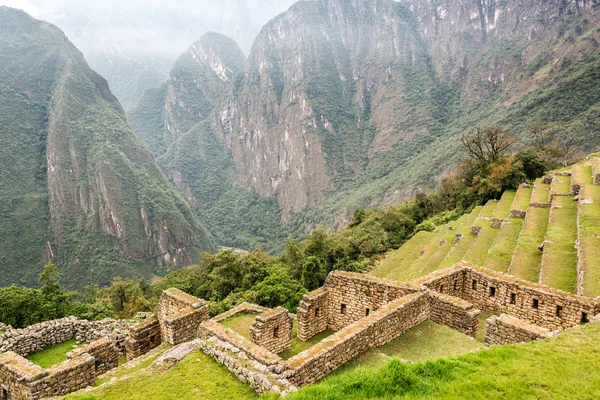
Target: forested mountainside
(77, 187)
(352, 104)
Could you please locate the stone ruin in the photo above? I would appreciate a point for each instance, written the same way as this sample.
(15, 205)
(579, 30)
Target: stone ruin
(367, 312)
(21, 379)
(363, 311)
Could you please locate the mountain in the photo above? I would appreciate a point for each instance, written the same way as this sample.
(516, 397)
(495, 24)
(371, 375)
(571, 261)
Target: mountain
(77, 187)
(354, 104)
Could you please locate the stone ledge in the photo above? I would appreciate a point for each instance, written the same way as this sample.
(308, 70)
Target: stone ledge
(247, 308)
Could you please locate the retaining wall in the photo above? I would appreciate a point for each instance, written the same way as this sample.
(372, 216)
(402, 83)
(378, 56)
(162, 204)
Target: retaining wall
(596, 170)
(105, 353)
(382, 326)
(507, 329)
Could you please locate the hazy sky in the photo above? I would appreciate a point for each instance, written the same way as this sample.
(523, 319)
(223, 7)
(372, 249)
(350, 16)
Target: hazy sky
(152, 26)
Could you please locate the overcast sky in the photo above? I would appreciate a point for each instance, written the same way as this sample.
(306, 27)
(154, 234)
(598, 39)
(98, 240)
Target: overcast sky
(152, 26)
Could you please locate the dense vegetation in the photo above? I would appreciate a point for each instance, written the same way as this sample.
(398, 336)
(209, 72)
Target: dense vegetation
(230, 277)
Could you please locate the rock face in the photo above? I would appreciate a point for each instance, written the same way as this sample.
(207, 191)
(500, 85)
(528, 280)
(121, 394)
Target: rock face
(78, 188)
(350, 104)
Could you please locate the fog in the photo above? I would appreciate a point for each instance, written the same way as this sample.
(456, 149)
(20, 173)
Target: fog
(139, 40)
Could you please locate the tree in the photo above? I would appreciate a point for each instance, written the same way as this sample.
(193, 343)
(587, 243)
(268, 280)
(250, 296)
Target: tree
(488, 144)
(568, 150)
(49, 278)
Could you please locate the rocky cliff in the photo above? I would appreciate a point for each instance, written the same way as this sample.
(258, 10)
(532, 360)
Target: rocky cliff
(78, 188)
(351, 104)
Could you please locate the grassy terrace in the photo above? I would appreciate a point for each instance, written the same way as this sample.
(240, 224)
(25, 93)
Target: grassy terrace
(395, 259)
(589, 237)
(52, 355)
(564, 367)
(559, 260)
(527, 259)
(457, 252)
(435, 260)
(426, 252)
(522, 199)
(298, 346)
(479, 249)
(561, 185)
(240, 323)
(501, 252)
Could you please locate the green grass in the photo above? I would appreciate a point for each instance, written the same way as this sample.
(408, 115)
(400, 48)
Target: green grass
(52, 355)
(457, 252)
(426, 341)
(501, 252)
(480, 335)
(395, 258)
(565, 367)
(435, 260)
(559, 260)
(502, 210)
(298, 346)
(429, 250)
(561, 185)
(527, 259)
(126, 370)
(240, 323)
(196, 377)
(589, 237)
(541, 192)
(522, 198)
(478, 250)
(582, 174)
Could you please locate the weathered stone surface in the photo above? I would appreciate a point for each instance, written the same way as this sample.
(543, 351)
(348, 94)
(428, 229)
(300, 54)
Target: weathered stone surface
(177, 353)
(506, 329)
(273, 330)
(179, 315)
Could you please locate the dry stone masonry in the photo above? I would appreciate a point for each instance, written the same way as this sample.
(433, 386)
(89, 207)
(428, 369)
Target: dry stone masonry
(273, 330)
(506, 329)
(179, 315)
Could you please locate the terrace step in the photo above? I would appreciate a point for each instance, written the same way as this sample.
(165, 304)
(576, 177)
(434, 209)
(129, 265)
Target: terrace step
(480, 247)
(588, 225)
(458, 251)
(527, 258)
(559, 259)
(394, 259)
(521, 202)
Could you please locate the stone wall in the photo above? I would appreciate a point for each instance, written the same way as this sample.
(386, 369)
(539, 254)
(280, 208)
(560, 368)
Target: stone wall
(179, 315)
(454, 313)
(507, 329)
(143, 337)
(380, 327)
(244, 308)
(273, 330)
(312, 314)
(490, 290)
(596, 170)
(40, 336)
(353, 296)
(105, 353)
(24, 380)
(539, 305)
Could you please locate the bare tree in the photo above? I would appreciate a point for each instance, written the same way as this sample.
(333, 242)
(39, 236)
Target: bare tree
(568, 150)
(488, 144)
(543, 133)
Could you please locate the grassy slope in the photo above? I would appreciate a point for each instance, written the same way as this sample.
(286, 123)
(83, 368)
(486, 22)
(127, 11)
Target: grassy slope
(240, 323)
(458, 251)
(589, 221)
(478, 251)
(429, 250)
(559, 260)
(434, 262)
(52, 355)
(527, 259)
(561, 368)
(395, 258)
(500, 254)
